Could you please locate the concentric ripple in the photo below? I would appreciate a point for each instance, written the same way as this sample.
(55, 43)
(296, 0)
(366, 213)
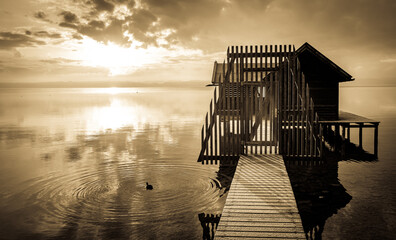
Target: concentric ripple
(115, 192)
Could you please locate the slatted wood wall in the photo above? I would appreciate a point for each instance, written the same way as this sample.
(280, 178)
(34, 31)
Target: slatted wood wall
(251, 108)
(300, 130)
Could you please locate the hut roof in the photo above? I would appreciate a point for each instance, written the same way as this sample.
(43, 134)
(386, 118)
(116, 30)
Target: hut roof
(308, 55)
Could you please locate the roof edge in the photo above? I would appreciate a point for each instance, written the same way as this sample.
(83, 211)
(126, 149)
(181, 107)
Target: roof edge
(308, 47)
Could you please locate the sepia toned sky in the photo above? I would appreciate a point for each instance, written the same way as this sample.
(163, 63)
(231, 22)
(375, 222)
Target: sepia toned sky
(178, 40)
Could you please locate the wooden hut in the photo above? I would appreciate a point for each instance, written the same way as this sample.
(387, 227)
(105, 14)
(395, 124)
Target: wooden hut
(323, 77)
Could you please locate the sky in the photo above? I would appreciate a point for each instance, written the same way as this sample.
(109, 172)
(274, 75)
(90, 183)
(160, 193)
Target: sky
(158, 41)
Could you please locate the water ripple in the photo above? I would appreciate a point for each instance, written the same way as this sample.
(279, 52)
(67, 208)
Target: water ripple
(112, 191)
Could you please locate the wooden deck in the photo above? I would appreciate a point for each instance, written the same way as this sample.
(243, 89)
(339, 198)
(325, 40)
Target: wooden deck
(346, 117)
(347, 121)
(260, 203)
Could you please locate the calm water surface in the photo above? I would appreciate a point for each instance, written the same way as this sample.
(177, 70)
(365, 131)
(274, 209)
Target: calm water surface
(74, 163)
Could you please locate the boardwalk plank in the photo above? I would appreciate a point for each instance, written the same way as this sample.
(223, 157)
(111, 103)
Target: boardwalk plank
(260, 202)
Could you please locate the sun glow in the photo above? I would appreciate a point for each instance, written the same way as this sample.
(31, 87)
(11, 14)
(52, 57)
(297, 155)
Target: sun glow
(120, 60)
(116, 59)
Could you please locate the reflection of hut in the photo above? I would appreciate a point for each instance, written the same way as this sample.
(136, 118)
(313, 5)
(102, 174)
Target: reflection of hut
(318, 193)
(209, 223)
(225, 174)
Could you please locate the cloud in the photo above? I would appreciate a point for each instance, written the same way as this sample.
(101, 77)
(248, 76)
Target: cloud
(68, 25)
(45, 34)
(59, 61)
(388, 60)
(69, 17)
(40, 15)
(97, 24)
(102, 5)
(9, 40)
(77, 36)
(113, 32)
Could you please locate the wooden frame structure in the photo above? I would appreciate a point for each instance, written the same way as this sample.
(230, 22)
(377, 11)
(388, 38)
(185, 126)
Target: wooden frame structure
(261, 105)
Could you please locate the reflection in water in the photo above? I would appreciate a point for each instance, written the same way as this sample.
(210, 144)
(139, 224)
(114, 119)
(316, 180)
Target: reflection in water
(317, 189)
(209, 223)
(75, 165)
(318, 193)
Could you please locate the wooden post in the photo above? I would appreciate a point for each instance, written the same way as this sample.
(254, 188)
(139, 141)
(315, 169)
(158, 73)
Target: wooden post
(336, 137)
(321, 141)
(360, 135)
(210, 130)
(376, 140)
(202, 145)
(348, 132)
(206, 132)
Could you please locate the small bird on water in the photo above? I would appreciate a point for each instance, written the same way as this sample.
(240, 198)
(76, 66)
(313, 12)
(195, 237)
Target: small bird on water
(148, 186)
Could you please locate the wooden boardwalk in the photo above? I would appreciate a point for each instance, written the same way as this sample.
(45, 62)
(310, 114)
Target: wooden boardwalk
(260, 203)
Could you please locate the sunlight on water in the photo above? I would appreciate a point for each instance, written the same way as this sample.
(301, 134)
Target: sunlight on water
(74, 162)
(115, 116)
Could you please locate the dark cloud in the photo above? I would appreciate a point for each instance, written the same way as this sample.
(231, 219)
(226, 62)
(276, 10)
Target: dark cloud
(140, 23)
(27, 32)
(187, 19)
(45, 34)
(69, 17)
(70, 20)
(40, 15)
(102, 5)
(68, 25)
(97, 24)
(9, 40)
(212, 25)
(142, 20)
(114, 32)
(131, 4)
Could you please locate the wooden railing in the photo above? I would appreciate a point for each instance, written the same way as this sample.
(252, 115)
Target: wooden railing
(300, 131)
(261, 105)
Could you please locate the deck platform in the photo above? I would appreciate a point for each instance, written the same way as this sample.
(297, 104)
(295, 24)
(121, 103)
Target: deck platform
(260, 202)
(347, 121)
(346, 117)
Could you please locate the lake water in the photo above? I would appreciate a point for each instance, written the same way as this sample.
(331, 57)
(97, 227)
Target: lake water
(75, 162)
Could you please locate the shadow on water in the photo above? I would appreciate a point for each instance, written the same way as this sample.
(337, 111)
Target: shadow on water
(209, 222)
(317, 189)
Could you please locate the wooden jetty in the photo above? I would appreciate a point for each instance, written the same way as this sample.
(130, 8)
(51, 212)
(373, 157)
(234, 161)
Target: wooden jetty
(272, 102)
(260, 203)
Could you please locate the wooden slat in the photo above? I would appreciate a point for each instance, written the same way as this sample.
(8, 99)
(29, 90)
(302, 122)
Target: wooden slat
(215, 121)
(261, 99)
(210, 130)
(221, 127)
(238, 102)
(258, 54)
